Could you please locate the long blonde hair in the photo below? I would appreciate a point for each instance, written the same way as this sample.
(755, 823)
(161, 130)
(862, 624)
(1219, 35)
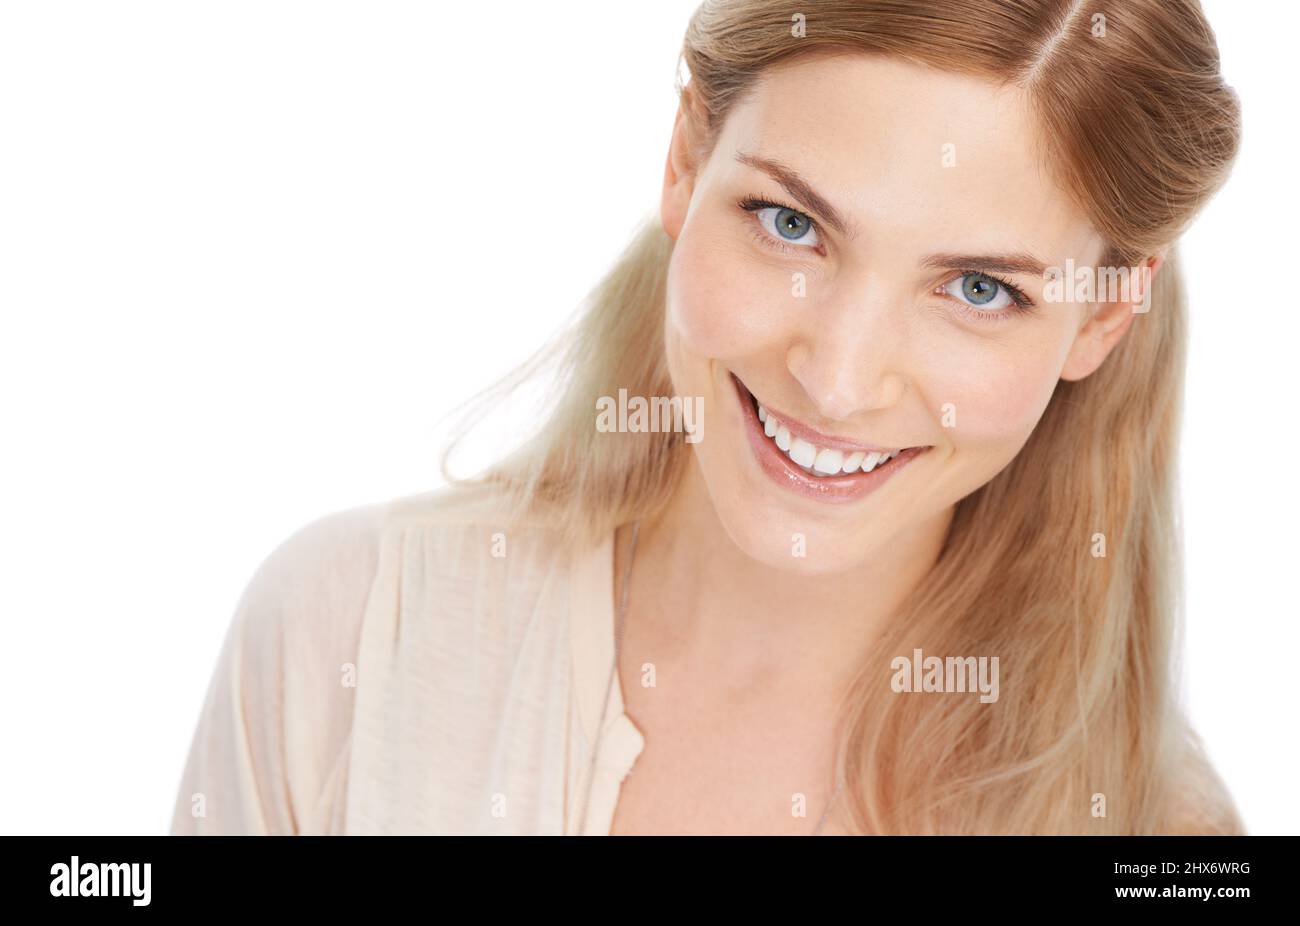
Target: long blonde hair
(1088, 734)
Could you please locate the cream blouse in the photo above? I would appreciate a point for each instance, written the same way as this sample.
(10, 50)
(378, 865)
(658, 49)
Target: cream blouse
(408, 667)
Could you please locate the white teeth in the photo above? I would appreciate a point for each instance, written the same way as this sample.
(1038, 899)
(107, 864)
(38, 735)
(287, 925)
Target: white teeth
(819, 461)
(829, 462)
(803, 452)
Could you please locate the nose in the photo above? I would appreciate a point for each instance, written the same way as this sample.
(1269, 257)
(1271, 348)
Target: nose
(849, 359)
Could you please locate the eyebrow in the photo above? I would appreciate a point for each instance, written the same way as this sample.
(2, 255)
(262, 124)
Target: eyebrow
(801, 190)
(988, 263)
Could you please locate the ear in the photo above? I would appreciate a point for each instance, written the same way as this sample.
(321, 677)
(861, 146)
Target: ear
(679, 171)
(1108, 322)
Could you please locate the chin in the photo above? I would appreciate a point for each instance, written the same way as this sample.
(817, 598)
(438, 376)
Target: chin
(781, 540)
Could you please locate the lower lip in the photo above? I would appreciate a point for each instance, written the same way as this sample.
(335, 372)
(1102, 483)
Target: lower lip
(848, 487)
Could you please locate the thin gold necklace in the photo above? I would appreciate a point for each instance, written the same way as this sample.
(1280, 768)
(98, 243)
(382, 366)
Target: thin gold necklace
(613, 674)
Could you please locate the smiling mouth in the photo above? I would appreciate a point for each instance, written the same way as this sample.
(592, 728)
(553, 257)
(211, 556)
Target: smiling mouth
(799, 444)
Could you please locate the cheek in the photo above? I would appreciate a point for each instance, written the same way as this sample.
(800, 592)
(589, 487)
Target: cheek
(995, 400)
(720, 301)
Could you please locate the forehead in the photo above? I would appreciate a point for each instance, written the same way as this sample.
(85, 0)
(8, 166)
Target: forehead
(910, 154)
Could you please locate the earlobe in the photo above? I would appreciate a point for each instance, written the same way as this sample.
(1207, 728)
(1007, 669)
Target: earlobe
(1084, 357)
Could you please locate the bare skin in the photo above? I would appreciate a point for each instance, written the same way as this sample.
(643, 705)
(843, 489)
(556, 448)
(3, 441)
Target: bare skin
(752, 645)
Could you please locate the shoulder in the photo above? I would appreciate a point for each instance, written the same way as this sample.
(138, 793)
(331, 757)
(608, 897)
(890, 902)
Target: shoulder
(319, 560)
(275, 719)
(455, 553)
(468, 531)
(314, 586)
(307, 594)
(271, 751)
(335, 557)
(294, 634)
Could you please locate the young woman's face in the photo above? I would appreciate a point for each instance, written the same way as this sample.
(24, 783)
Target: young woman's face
(870, 302)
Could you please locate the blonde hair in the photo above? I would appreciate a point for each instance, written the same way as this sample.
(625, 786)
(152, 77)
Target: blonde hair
(1143, 131)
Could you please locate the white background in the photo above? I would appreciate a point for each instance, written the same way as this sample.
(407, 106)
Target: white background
(251, 253)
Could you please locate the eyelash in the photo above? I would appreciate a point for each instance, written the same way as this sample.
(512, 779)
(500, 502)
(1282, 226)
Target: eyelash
(1020, 303)
(754, 203)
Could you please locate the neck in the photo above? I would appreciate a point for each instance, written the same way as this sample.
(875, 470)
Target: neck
(709, 605)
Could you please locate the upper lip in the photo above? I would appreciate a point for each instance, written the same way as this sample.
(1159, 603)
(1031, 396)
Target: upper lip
(817, 438)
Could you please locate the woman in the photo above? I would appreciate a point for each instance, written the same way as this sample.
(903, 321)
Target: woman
(913, 566)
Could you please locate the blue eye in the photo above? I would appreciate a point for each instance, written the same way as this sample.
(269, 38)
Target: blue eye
(790, 225)
(785, 226)
(981, 291)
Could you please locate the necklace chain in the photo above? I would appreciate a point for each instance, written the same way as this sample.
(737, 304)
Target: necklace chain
(613, 675)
